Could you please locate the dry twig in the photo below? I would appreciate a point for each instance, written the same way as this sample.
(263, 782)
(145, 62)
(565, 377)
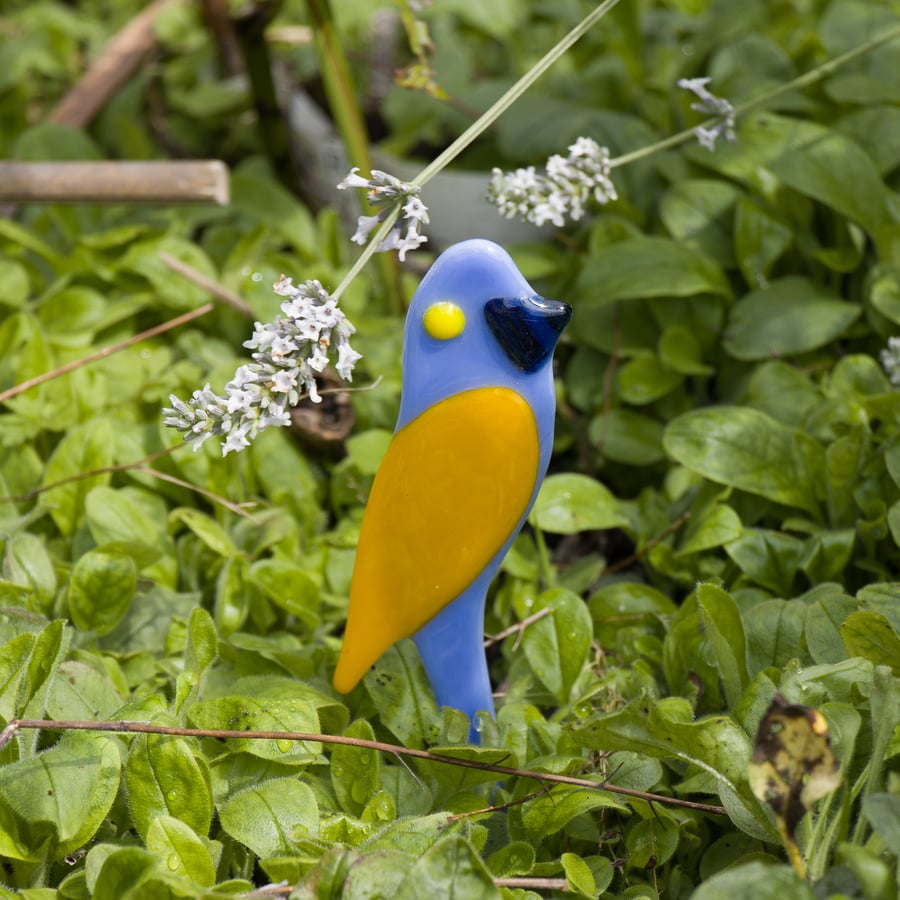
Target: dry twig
(125, 727)
(519, 627)
(17, 389)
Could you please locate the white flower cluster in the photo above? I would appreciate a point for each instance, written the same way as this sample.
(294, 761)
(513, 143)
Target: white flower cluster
(288, 354)
(386, 191)
(710, 105)
(890, 360)
(563, 189)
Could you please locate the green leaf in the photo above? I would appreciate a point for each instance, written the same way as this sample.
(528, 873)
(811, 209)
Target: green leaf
(569, 503)
(759, 240)
(871, 636)
(371, 877)
(290, 587)
(715, 744)
(833, 169)
(184, 853)
(680, 351)
(826, 555)
(557, 645)
(553, 810)
(722, 623)
(262, 714)
(14, 656)
(165, 777)
(143, 258)
(648, 267)
(748, 450)
(697, 212)
(258, 195)
(270, 818)
(579, 877)
(203, 642)
(70, 788)
(645, 379)
(14, 278)
(515, 858)
(101, 590)
(402, 695)
(234, 595)
(28, 563)
(47, 654)
(885, 723)
(652, 842)
(71, 316)
(883, 813)
(755, 881)
(449, 868)
(822, 630)
(792, 315)
(355, 770)
(208, 530)
(883, 290)
(447, 780)
(83, 691)
(84, 448)
(875, 129)
(716, 525)
(882, 598)
(627, 437)
(123, 873)
(770, 558)
(118, 516)
(782, 391)
(367, 449)
(774, 631)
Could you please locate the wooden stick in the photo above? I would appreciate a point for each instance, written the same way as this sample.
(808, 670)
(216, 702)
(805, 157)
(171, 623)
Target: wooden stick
(159, 181)
(110, 70)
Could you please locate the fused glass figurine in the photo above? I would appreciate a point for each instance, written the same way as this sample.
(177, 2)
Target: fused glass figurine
(470, 449)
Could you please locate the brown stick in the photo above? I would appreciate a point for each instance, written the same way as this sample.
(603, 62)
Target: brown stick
(158, 181)
(116, 63)
(226, 734)
(519, 627)
(219, 291)
(17, 389)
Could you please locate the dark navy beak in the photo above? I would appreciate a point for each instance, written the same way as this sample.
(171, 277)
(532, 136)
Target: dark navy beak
(527, 328)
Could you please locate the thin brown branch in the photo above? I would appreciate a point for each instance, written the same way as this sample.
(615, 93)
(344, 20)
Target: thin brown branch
(114, 65)
(102, 470)
(105, 351)
(224, 734)
(214, 498)
(536, 884)
(496, 808)
(219, 291)
(519, 627)
(268, 891)
(217, 18)
(637, 555)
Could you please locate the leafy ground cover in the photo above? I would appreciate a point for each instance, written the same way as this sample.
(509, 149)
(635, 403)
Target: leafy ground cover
(721, 524)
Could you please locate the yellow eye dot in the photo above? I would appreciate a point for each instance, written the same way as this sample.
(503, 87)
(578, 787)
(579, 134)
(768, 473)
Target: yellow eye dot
(444, 320)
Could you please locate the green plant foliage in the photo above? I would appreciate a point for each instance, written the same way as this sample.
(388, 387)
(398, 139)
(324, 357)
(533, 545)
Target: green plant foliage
(720, 525)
